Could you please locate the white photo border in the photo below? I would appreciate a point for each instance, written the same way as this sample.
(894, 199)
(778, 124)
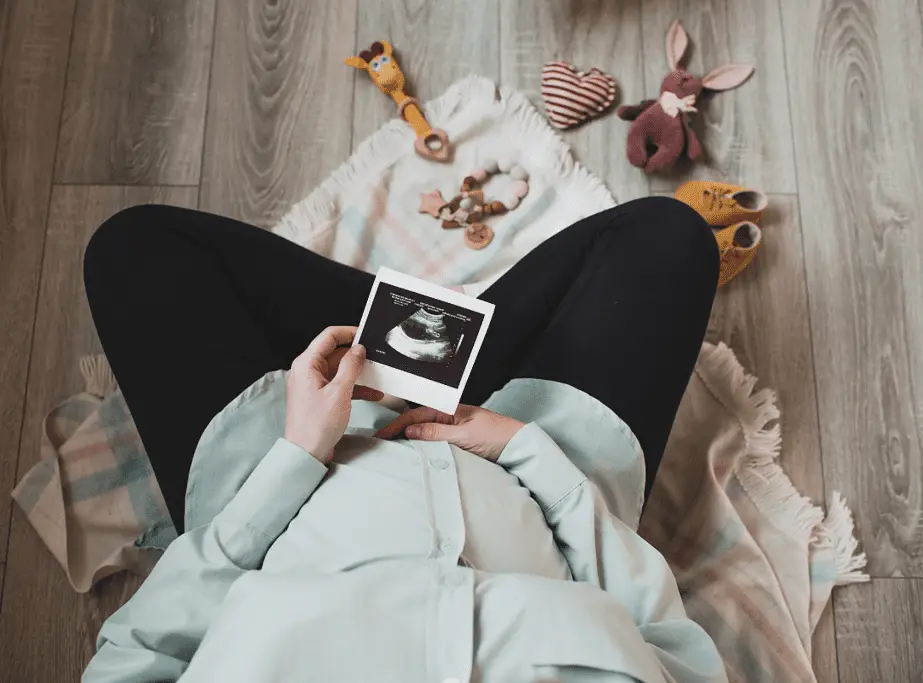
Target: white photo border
(408, 386)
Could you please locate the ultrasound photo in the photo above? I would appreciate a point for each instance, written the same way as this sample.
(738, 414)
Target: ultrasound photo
(421, 335)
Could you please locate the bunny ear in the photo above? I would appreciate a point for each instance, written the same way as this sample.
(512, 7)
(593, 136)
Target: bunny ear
(677, 42)
(727, 76)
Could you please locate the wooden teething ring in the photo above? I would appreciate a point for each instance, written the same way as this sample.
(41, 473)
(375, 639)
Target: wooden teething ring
(433, 145)
(478, 235)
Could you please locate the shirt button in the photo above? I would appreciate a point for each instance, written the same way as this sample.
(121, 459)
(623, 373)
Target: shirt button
(446, 547)
(439, 463)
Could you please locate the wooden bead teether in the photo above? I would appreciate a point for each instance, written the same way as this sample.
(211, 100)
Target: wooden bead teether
(468, 208)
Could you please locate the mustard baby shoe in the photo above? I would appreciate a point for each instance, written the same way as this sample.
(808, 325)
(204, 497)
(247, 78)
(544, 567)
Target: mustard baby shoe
(722, 204)
(737, 245)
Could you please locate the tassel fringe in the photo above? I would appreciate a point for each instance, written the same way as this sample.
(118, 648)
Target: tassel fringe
(97, 375)
(838, 531)
(760, 473)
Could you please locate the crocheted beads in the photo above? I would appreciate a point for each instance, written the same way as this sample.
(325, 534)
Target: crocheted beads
(469, 207)
(519, 173)
(478, 235)
(490, 165)
(520, 188)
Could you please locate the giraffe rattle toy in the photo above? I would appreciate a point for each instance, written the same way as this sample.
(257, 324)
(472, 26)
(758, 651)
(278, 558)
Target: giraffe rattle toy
(431, 143)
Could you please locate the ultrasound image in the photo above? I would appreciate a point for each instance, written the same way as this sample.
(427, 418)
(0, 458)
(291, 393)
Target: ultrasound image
(419, 334)
(424, 336)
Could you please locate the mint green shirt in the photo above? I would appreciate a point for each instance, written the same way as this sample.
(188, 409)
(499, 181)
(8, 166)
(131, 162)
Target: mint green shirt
(410, 562)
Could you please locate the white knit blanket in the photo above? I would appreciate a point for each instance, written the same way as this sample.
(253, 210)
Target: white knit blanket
(366, 213)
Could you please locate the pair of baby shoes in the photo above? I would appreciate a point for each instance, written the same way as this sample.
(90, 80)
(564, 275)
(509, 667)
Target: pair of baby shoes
(736, 210)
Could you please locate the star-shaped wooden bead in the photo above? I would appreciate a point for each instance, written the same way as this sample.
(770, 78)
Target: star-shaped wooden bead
(431, 202)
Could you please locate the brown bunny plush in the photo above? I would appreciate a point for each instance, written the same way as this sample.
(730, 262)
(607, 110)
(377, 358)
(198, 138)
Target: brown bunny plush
(661, 131)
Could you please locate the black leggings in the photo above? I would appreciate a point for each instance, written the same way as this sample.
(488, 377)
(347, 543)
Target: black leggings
(192, 308)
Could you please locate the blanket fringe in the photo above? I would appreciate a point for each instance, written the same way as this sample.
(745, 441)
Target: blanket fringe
(317, 213)
(763, 478)
(97, 375)
(838, 531)
(759, 472)
(312, 218)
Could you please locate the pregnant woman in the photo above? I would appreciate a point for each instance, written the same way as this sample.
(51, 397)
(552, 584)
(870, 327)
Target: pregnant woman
(329, 538)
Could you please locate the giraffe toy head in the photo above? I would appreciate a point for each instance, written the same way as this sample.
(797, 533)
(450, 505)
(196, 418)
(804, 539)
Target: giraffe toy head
(381, 66)
(379, 63)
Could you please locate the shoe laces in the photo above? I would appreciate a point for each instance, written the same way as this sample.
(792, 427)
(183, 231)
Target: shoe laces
(731, 250)
(715, 198)
(727, 253)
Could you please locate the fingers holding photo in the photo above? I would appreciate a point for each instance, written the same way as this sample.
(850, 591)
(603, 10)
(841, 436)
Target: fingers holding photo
(347, 371)
(361, 393)
(332, 337)
(324, 353)
(324, 357)
(319, 390)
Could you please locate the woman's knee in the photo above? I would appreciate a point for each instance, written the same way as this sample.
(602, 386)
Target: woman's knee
(671, 236)
(115, 242)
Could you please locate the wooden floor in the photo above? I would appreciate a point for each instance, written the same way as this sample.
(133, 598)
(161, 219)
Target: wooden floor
(243, 107)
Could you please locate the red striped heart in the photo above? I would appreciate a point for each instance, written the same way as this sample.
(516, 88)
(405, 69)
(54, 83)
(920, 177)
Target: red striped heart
(572, 97)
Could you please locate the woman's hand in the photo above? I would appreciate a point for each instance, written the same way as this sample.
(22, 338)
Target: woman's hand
(318, 391)
(477, 430)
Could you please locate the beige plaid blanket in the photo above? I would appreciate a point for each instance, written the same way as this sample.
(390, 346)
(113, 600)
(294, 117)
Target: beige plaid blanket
(755, 561)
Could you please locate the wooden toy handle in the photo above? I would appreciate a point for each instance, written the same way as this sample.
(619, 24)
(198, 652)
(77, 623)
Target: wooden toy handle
(431, 143)
(410, 111)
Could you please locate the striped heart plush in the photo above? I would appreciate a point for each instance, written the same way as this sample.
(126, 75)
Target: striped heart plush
(572, 97)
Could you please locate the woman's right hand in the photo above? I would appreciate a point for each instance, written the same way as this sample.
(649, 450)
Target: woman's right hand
(319, 390)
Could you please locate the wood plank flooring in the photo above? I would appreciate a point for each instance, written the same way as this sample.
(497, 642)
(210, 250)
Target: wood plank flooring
(436, 43)
(279, 101)
(242, 108)
(134, 109)
(34, 39)
(875, 627)
(860, 189)
(39, 606)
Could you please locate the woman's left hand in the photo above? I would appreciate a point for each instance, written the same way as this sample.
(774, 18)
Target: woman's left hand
(477, 430)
